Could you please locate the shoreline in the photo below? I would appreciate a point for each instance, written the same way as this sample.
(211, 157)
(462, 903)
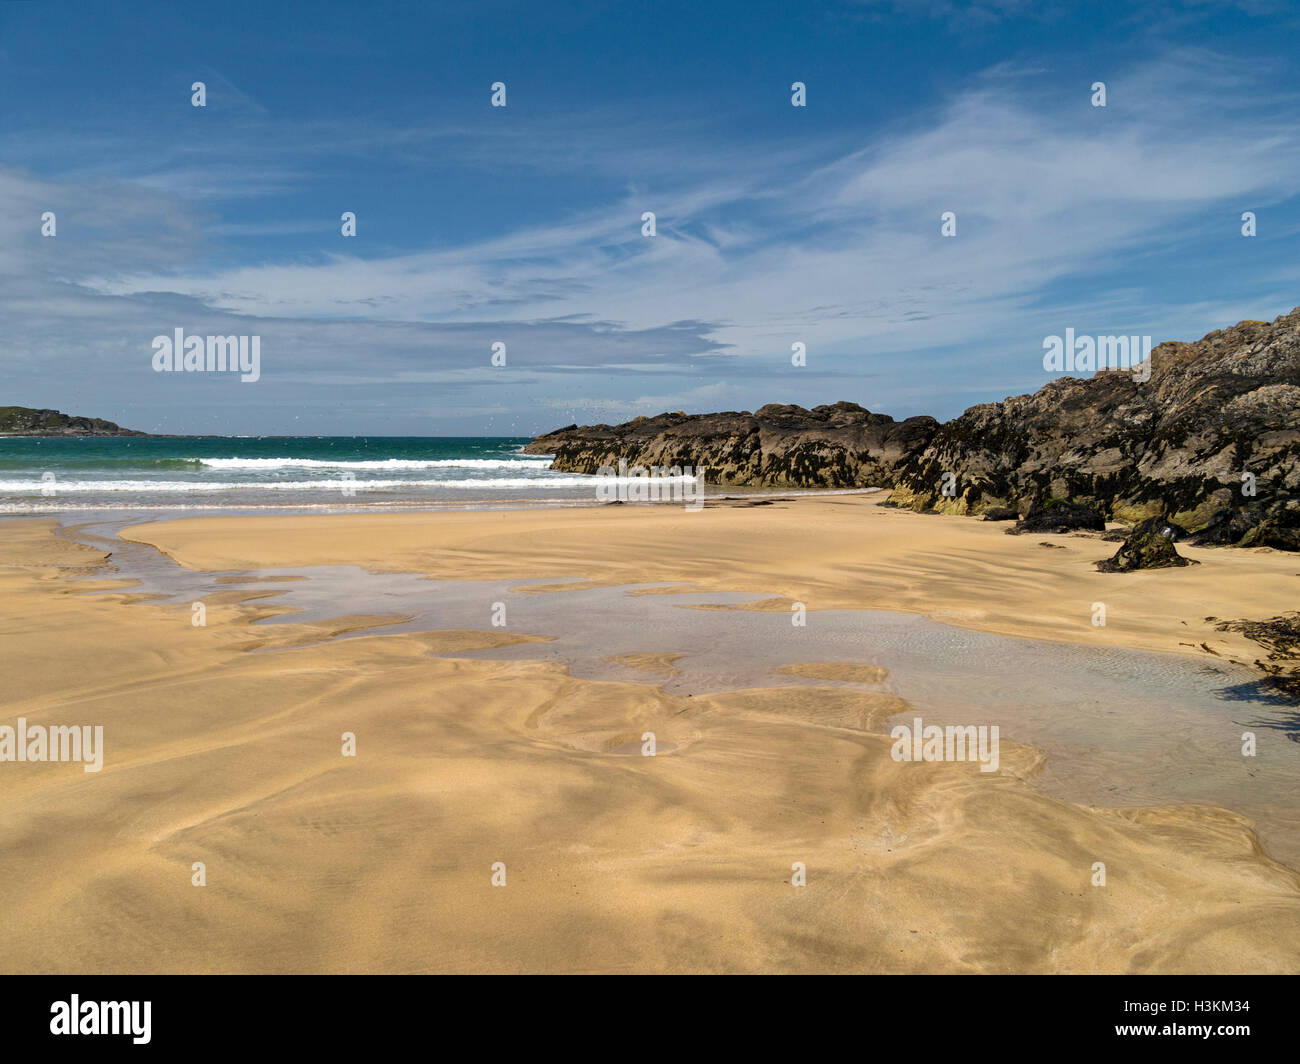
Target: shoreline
(911, 572)
(405, 506)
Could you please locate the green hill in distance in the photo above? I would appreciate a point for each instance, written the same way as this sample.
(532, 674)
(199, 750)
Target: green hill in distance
(25, 421)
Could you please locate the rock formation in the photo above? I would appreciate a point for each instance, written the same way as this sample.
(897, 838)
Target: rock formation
(1211, 441)
(839, 446)
(1058, 515)
(24, 421)
(1150, 545)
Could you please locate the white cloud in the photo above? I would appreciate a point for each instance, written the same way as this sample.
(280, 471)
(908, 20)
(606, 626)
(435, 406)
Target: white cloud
(755, 250)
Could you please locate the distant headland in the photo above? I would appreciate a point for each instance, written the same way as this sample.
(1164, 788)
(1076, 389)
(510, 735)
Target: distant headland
(26, 421)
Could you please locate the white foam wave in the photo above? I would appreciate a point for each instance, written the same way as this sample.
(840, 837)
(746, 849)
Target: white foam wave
(35, 487)
(378, 463)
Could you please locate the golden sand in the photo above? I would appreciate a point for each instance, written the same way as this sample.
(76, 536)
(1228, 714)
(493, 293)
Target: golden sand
(661, 664)
(383, 862)
(843, 552)
(841, 671)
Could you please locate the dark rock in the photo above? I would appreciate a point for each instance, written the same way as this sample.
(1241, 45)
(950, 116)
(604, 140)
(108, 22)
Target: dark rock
(1269, 535)
(26, 421)
(1278, 530)
(1217, 420)
(1211, 439)
(1226, 527)
(837, 446)
(999, 513)
(1059, 515)
(1150, 545)
(1253, 526)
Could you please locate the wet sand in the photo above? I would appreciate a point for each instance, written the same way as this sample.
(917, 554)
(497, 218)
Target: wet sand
(223, 745)
(1118, 727)
(842, 552)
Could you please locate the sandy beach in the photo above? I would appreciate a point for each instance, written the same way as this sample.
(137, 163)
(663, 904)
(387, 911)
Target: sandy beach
(224, 745)
(833, 552)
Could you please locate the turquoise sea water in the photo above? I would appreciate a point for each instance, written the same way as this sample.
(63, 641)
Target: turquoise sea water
(319, 472)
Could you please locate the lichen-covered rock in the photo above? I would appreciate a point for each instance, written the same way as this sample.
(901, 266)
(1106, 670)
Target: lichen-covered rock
(1150, 545)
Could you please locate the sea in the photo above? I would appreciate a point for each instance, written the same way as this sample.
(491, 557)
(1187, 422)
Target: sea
(330, 473)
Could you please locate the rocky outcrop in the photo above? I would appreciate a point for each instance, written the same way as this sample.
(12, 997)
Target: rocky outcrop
(1251, 527)
(1057, 515)
(1210, 440)
(839, 446)
(25, 421)
(1150, 545)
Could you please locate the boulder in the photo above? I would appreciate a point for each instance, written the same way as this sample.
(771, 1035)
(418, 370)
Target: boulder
(1150, 545)
(1059, 515)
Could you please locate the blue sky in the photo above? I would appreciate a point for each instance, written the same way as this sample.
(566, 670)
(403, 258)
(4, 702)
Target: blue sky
(522, 224)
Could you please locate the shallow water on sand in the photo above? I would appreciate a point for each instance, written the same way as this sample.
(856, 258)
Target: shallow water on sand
(1119, 727)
